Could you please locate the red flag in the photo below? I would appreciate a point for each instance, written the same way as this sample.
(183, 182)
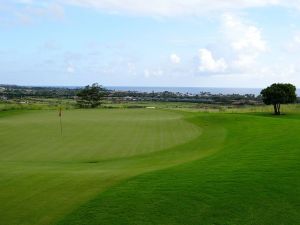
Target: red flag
(59, 114)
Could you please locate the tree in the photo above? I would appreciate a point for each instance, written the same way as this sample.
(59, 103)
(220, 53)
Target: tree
(90, 96)
(277, 94)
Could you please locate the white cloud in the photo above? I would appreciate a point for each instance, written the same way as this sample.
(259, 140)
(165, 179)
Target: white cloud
(242, 46)
(209, 64)
(153, 73)
(293, 45)
(245, 41)
(131, 68)
(29, 11)
(50, 45)
(170, 8)
(70, 68)
(175, 59)
(25, 1)
(146, 73)
(243, 36)
(240, 57)
(244, 62)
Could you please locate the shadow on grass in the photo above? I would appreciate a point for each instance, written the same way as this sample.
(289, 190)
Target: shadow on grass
(289, 115)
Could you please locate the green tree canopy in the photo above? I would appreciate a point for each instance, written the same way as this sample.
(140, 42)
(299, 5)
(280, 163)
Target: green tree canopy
(277, 94)
(90, 96)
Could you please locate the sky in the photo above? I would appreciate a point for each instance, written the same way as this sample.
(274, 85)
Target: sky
(179, 43)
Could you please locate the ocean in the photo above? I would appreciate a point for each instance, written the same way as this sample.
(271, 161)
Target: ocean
(191, 90)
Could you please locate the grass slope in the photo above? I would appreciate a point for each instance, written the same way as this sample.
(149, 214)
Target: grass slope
(253, 180)
(91, 135)
(43, 176)
(149, 167)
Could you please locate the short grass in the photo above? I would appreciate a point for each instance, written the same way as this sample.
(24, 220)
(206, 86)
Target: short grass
(91, 135)
(144, 166)
(44, 175)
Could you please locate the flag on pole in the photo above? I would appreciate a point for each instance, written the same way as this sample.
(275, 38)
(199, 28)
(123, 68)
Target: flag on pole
(60, 114)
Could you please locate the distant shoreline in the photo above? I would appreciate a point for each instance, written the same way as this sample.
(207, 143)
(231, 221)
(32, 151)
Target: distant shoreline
(191, 90)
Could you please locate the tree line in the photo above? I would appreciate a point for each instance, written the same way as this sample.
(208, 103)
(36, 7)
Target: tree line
(276, 94)
(92, 96)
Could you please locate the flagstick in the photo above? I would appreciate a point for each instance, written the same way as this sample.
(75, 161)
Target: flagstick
(61, 129)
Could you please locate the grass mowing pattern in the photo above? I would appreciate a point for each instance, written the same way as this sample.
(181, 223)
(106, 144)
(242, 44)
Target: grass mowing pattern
(237, 169)
(253, 180)
(43, 176)
(91, 135)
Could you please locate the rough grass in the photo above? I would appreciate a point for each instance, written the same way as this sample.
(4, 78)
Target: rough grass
(215, 168)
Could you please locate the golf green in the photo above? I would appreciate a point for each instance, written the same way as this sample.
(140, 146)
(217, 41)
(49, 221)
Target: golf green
(148, 166)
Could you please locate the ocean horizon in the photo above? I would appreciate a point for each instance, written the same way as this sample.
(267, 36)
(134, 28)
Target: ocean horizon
(191, 90)
(183, 90)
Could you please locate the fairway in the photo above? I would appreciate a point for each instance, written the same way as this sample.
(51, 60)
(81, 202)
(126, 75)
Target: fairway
(149, 166)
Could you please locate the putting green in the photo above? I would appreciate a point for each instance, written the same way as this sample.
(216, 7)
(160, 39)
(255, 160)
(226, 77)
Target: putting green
(145, 166)
(91, 135)
(44, 176)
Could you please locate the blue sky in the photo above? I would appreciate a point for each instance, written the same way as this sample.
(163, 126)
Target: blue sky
(216, 43)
